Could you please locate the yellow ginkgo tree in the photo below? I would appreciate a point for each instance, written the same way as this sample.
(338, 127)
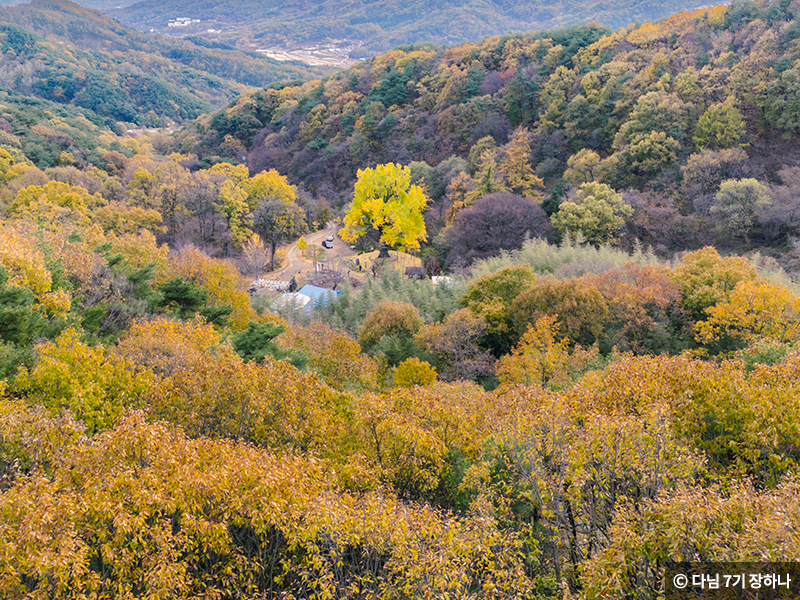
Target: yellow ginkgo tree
(384, 199)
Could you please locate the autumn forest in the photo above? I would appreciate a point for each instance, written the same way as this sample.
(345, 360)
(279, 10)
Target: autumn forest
(594, 370)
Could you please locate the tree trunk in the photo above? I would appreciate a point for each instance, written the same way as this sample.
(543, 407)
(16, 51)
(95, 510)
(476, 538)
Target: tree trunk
(384, 248)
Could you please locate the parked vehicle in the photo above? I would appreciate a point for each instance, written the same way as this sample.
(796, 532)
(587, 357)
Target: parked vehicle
(327, 244)
(331, 237)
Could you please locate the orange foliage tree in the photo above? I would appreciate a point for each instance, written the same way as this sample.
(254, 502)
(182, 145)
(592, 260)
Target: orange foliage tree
(644, 308)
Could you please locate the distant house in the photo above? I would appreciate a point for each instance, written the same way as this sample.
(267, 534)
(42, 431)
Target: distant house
(182, 22)
(417, 272)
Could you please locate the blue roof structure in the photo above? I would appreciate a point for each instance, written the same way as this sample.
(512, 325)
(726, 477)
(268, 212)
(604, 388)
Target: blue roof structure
(319, 296)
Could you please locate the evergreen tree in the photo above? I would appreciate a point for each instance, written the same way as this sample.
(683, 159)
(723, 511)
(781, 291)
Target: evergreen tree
(488, 179)
(516, 168)
(258, 341)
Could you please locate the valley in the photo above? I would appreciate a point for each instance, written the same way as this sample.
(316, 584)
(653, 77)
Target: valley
(548, 341)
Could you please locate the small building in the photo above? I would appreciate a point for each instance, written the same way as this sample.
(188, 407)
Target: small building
(307, 297)
(291, 301)
(319, 296)
(417, 272)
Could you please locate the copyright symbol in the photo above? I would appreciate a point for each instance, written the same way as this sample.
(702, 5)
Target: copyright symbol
(680, 581)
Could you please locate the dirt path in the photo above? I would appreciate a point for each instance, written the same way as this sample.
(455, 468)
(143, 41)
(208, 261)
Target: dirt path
(302, 268)
(297, 265)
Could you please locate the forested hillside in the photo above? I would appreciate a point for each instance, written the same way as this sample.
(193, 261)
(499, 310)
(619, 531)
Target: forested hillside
(60, 51)
(663, 113)
(161, 436)
(384, 24)
(590, 393)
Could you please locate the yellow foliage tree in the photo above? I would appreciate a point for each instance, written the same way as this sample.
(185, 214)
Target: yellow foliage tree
(707, 278)
(516, 168)
(55, 204)
(413, 371)
(9, 168)
(582, 167)
(488, 178)
(384, 199)
(119, 217)
(754, 311)
(459, 195)
(97, 389)
(24, 262)
(236, 173)
(142, 189)
(222, 281)
(541, 359)
(389, 318)
(334, 355)
(406, 450)
(233, 205)
(165, 346)
(31, 438)
(26, 267)
(267, 185)
(140, 249)
(172, 517)
(270, 404)
(538, 357)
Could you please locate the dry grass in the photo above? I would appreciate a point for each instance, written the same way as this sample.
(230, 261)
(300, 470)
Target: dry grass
(397, 260)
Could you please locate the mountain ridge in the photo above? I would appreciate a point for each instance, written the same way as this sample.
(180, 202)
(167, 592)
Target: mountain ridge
(664, 112)
(383, 24)
(62, 51)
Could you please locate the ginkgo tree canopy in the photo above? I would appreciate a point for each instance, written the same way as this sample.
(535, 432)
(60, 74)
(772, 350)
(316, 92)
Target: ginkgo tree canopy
(384, 199)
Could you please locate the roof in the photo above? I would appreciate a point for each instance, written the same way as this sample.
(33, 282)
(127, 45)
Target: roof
(306, 297)
(319, 295)
(314, 292)
(295, 300)
(443, 280)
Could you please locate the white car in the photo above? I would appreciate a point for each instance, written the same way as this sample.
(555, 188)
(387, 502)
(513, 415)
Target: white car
(330, 238)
